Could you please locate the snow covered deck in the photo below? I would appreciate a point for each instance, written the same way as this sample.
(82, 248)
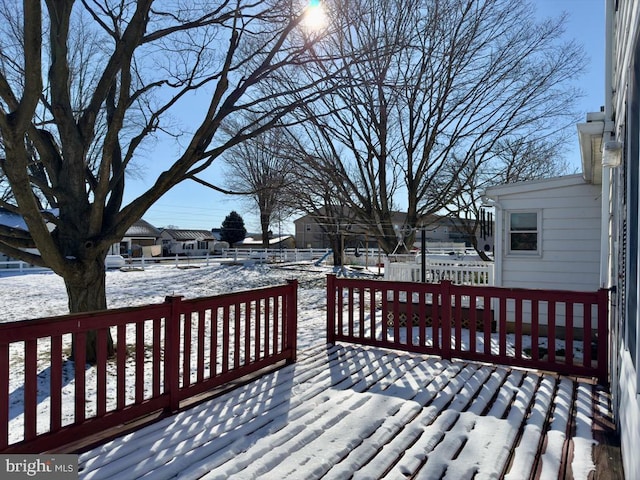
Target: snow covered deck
(364, 412)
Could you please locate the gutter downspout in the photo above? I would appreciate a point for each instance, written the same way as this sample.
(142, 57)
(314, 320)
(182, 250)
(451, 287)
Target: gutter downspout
(606, 242)
(608, 134)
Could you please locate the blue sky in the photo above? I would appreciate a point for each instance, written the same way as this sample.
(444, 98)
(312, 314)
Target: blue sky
(191, 205)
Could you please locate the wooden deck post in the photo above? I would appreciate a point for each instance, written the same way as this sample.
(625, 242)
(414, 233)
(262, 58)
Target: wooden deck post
(331, 308)
(445, 316)
(172, 352)
(292, 320)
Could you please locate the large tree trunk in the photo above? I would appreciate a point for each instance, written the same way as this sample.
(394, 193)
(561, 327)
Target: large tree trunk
(264, 226)
(87, 293)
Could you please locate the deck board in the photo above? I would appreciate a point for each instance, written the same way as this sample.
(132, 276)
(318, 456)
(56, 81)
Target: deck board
(359, 412)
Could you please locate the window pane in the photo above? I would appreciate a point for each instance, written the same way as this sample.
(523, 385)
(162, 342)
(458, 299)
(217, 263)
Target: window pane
(524, 221)
(524, 241)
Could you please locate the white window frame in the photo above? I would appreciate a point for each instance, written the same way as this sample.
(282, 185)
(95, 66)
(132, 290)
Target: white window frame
(523, 253)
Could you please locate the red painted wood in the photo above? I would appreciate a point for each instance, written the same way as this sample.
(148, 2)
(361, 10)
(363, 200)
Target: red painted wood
(486, 305)
(200, 366)
(80, 366)
(30, 388)
(101, 372)
(472, 324)
(121, 359)
(246, 314)
(237, 336)
(185, 322)
(331, 309)
(535, 330)
(267, 331)
(166, 321)
(225, 339)
(140, 376)
(156, 357)
(568, 339)
(587, 336)
(442, 302)
(518, 319)
(4, 393)
(258, 331)
(56, 383)
(213, 350)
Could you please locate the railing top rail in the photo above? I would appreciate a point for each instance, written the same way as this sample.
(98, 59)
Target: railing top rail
(20, 330)
(470, 290)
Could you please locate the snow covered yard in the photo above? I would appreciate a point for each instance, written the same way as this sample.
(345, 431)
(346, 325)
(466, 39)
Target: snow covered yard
(346, 411)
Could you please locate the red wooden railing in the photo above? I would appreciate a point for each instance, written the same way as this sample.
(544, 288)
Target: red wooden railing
(488, 324)
(165, 353)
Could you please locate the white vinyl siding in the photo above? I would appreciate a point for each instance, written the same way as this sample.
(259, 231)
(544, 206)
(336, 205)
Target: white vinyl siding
(568, 256)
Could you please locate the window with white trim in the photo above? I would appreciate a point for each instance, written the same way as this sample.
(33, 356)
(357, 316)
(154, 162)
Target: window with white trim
(523, 233)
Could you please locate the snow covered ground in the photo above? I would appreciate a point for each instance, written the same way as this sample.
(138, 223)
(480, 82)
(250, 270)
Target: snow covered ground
(39, 295)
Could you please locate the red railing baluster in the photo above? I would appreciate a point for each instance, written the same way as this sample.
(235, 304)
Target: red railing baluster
(121, 359)
(139, 368)
(473, 347)
(30, 388)
(445, 311)
(186, 349)
(101, 372)
(551, 332)
(56, 383)
(4, 393)
(237, 334)
(518, 329)
(569, 325)
(80, 357)
(156, 358)
(331, 309)
(486, 322)
(200, 365)
(225, 339)
(276, 323)
(214, 341)
(247, 332)
(586, 335)
(535, 330)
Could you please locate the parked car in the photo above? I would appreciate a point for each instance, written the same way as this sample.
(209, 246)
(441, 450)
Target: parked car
(114, 261)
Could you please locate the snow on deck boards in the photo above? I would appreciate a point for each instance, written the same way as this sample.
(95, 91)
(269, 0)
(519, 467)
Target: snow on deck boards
(359, 412)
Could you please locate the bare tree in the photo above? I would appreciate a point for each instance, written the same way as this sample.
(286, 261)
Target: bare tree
(260, 169)
(75, 117)
(436, 87)
(514, 160)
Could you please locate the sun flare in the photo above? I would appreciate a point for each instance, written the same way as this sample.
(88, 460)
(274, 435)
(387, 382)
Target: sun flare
(315, 17)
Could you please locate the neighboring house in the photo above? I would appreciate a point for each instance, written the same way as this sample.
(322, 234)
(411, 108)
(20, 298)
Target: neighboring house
(548, 233)
(187, 242)
(312, 231)
(620, 136)
(140, 240)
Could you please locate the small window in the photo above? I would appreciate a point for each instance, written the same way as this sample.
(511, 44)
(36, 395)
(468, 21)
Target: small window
(523, 233)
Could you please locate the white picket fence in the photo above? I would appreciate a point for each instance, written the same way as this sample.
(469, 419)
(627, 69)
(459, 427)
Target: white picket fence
(467, 273)
(275, 254)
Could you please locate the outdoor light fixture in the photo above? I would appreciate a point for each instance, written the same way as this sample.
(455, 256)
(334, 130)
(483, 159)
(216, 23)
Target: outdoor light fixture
(611, 154)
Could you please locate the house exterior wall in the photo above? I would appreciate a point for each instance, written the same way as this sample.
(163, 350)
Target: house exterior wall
(568, 234)
(309, 233)
(622, 110)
